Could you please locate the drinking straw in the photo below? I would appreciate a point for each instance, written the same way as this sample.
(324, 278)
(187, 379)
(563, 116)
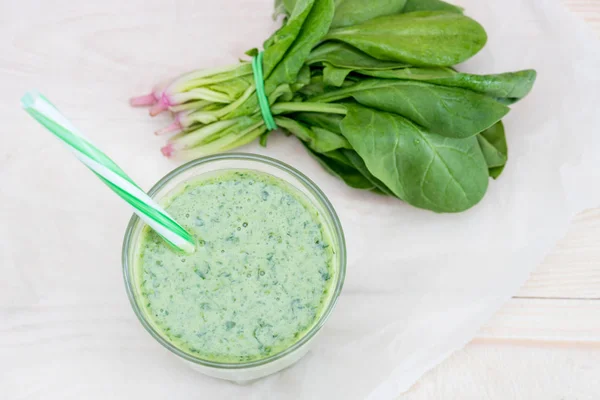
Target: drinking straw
(40, 108)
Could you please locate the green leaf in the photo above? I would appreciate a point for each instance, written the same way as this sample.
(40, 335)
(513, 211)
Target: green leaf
(289, 5)
(422, 38)
(426, 170)
(339, 156)
(283, 7)
(349, 175)
(317, 85)
(353, 12)
(333, 76)
(283, 93)
(312, 31)
(328, 141)
(448, 111)
(431, 5)
(344, 56)
(252, 52)
(331, 122)
(360, 166)
(511, 85)
(318, 139)
(303, 76)
(314, 88)
(493, 145)
(279, 42)
(496, 172)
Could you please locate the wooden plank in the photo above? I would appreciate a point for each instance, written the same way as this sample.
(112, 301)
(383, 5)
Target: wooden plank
(545, 320)
(572, 270)
(513, 372)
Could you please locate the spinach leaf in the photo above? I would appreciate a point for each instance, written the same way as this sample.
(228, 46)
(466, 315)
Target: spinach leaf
(345, 155)
(339, 156)
(422, 38)
(328, 141)
(348, 174)
(333, 76)
(352, 12)
(279, 8)
(284, 7)
(510, 85)
(360, 166)
(304, 76)
(448, 111)
(331, 122)
(494, 148)
(277, 45)
(426, 170)
(303, 79)
(431, 5)
(318, 139)
(312, 31)
(342, 55)
(314, 88)
(318, 86)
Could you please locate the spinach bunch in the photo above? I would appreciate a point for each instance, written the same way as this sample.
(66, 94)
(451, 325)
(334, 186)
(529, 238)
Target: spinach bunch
(370, 89)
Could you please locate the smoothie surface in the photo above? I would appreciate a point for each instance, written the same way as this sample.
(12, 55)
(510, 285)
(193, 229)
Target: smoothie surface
(261, 275)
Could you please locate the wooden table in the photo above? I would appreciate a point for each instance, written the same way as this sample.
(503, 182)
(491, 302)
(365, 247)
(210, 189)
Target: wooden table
(545, 343)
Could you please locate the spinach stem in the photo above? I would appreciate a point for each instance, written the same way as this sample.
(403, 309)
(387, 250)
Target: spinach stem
(186, 81)
(284, 108)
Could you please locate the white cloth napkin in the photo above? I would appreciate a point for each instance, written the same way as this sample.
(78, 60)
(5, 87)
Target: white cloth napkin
(419, 285)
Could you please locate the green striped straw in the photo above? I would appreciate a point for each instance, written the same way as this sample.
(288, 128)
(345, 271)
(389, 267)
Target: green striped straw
(151, 213)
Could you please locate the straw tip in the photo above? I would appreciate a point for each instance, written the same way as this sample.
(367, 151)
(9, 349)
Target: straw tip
(28, 100)
(188, 248)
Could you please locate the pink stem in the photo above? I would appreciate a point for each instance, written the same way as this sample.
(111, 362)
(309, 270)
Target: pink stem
(168, 150)
(163, 104)
(141, 101)
(174, 127)
(157, 109)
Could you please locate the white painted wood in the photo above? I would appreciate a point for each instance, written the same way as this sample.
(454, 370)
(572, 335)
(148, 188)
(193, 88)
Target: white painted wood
(545, 320)
(572, 270)
(587, 9)
(513, 372)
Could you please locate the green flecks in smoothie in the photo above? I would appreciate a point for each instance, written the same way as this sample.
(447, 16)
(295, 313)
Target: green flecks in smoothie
(259, 279)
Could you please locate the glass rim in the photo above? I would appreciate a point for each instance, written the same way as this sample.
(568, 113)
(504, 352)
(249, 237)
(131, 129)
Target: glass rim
(337, 232)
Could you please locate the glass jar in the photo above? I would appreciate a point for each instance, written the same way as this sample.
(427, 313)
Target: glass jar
(239, 372)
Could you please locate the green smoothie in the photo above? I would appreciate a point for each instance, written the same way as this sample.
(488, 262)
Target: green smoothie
(261, 276)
